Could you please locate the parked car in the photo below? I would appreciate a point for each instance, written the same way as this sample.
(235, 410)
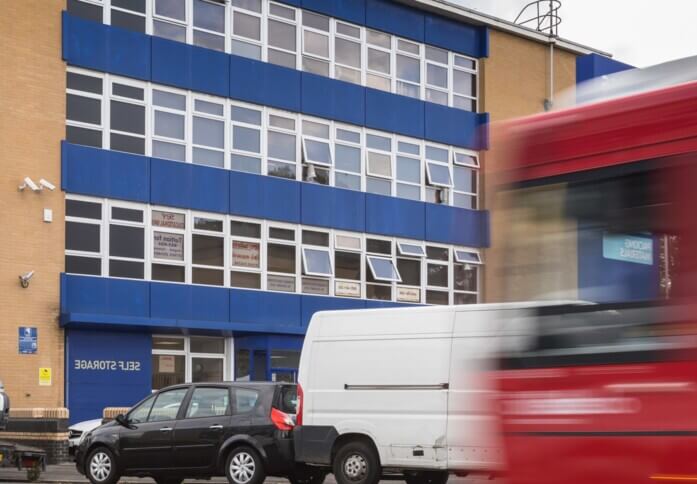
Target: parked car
(76, 433)
(400, 393)
(239, 430)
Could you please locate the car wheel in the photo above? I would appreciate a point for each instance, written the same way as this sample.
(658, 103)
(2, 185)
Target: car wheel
(244, 466)
(427, 477)
(101, 466)
(356, 463)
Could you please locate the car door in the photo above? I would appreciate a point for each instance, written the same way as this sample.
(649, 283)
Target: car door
(148, 441)
(199, 435)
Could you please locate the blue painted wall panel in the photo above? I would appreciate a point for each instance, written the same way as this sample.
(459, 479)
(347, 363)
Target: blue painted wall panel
(123, 378)
(210, 71)
(312, 304)
(97, 295)
(452, 35)
(394, 18)
(591, 66)
(85, 43)
(265, 308)
(184, 185)
(333, 207)
(92, 171)
(452, 225)
(389, 112)
(189, 302)
(266, 197)
(171, 63)
(129, 53)
(332, 99)
(349, 10)
(394, 216)
(454, 126)
(262, 83)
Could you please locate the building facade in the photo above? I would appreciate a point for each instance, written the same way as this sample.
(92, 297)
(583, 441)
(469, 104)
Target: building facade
(224, 169)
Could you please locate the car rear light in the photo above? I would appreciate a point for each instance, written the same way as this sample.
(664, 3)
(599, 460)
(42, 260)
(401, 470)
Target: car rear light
(281, 420)
(299, 410)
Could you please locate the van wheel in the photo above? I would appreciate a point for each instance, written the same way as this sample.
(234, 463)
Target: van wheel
(244, 466)
(356, 463)
(427, 477)
(100, 466)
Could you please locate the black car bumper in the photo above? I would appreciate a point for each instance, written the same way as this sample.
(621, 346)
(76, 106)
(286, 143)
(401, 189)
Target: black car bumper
(313, 443)
(280, 456)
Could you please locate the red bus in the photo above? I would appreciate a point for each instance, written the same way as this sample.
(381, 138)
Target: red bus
(597, 203)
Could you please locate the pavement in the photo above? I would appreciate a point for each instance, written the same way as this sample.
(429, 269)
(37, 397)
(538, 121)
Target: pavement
(67, 474)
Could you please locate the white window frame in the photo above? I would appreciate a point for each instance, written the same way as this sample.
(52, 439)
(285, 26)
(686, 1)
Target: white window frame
(109, 221)
(102, 128)
(296, 25)
(402, 252)
(295, 243)
(394, 268)
(102, 255)
(230, 126)
(186, 233)
(209, 233)
(430, 177)
(225, 150)
(230, 250)
(186, 113)
(232, 11)
(317, 249)
(146, 102)
(458, 259)
(188, 355)
(449, 277)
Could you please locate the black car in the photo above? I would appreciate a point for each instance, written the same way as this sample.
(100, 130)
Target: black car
(239, 430)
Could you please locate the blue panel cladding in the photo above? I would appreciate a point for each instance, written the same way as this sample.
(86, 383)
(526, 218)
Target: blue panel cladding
(371, 304)
(455, 126)
(332, 99)
(105, 369)
(210, 71)
(265, 310)
(185, 185)
(349, 10)
(591, 66)
(390, 112)
(104, 296)
(264, 197)
(396, 19)
(188, 302)
(332, 207)
(451, 225)
(262, 83)
(395, 216)
(171, 63)
(108, 49)
(312, 304)
(457, 36)
(609, 280)
(104, 173)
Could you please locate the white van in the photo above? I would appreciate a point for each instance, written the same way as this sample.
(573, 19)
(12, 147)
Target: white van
(400, 392)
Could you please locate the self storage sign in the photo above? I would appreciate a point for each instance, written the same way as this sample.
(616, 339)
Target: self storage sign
(106, 365)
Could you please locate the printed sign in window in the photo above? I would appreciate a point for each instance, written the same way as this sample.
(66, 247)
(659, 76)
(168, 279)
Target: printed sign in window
(408, 294)
(168, 246)
(167, 364)
(347, 289)
(170, 220)
(245, 254)
(280, 283)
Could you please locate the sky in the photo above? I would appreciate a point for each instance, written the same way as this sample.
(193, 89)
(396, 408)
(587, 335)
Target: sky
(638, 32)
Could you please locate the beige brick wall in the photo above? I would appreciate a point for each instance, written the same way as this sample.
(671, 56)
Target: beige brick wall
(32, 113)
(515, 81)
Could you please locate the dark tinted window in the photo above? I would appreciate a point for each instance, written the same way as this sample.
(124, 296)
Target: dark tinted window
(83, 136)
(124, 90)
(140, 413)
(210, 277)
(81, 82)
(83, 109)
(127, 21)
(78, 208)
(348, 265)
(283, 234)
(79, 236)
(379, 246)
(127, 214)
(207, 250)
(281, 258)
(126, 241)
(209, 402)
(288, 399)
(410, 270)
(161, 272)
(83, 265)
(167, 405)
(245, 400)
(245, 229)
(124, 268)
(249, 280)
(127, 117)
(85, 10)
(134, 5)
(129, 144)
(315, 238)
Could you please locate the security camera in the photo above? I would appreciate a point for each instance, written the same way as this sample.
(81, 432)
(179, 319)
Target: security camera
(28, 182)
(47, 184)
(25, 278)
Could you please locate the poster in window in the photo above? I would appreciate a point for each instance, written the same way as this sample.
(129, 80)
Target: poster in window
(347, 289)
(315, 286)
(168, 246)
(167, 364)
(280, 283)
(170, 220)
(245, 254)
(408, 294)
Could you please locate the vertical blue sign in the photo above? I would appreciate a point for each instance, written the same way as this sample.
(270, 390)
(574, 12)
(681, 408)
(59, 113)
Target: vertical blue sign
(27, 340)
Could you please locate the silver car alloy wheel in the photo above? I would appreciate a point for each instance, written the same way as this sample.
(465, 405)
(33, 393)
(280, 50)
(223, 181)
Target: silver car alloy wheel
(242, 467)
(100, 466)
(355, 467)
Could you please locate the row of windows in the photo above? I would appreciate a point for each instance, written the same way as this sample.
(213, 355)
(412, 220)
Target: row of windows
(298, 39)
(121, 239)
(121, 114)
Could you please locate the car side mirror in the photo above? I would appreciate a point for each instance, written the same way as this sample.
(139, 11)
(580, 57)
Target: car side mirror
(122, 420)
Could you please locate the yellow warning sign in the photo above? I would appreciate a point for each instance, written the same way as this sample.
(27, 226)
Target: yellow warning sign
(45, 376)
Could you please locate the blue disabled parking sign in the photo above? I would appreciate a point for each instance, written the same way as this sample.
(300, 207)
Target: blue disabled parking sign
(27, 340)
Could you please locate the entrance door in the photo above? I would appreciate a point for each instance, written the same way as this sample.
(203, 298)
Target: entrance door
(285, 375)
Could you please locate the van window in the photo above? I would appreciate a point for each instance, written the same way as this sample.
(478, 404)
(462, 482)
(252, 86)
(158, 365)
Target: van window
(599, 335)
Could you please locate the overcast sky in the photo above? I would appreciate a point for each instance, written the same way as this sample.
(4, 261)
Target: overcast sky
(638, 32)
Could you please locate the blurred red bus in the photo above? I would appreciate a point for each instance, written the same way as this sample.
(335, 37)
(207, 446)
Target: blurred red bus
(587, 199)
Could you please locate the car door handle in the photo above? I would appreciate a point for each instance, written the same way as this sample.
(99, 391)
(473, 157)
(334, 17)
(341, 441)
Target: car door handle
(216, 427)
(166, 429)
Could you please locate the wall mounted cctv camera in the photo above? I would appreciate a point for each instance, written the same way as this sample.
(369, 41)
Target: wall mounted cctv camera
(28, 182)
(25, 278)
(47, 184)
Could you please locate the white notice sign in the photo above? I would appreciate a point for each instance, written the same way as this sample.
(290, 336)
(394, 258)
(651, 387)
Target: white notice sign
(168, 246)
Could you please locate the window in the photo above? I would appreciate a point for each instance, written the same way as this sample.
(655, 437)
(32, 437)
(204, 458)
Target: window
(127, 242)
(246, 139)
(168, 246)
(437, 75)
(437, 276)
(347, 150)
(383, 269)
(281, 146)
(246, 254)
(317, 261)
(169, 119)
(412, 250)
(169, 19)
(209, 402)
(246, 28)
(464, 83)
(86, 9)
(317, 153)
(465, 180)
(208, 132)
(438, 176)
(207, 251)
(166, 406)
(379, 66)
(141, 412)
(128, 14)
(347, 53)
(281, 260)
(378, 164)
(83, 237)
(315, 39)
(180, 359)
(209, 24)
(466, 276)
(408, 68)
(245, 400)
(281, 36)
(408, 169)
(84, 109)
(127, 117)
